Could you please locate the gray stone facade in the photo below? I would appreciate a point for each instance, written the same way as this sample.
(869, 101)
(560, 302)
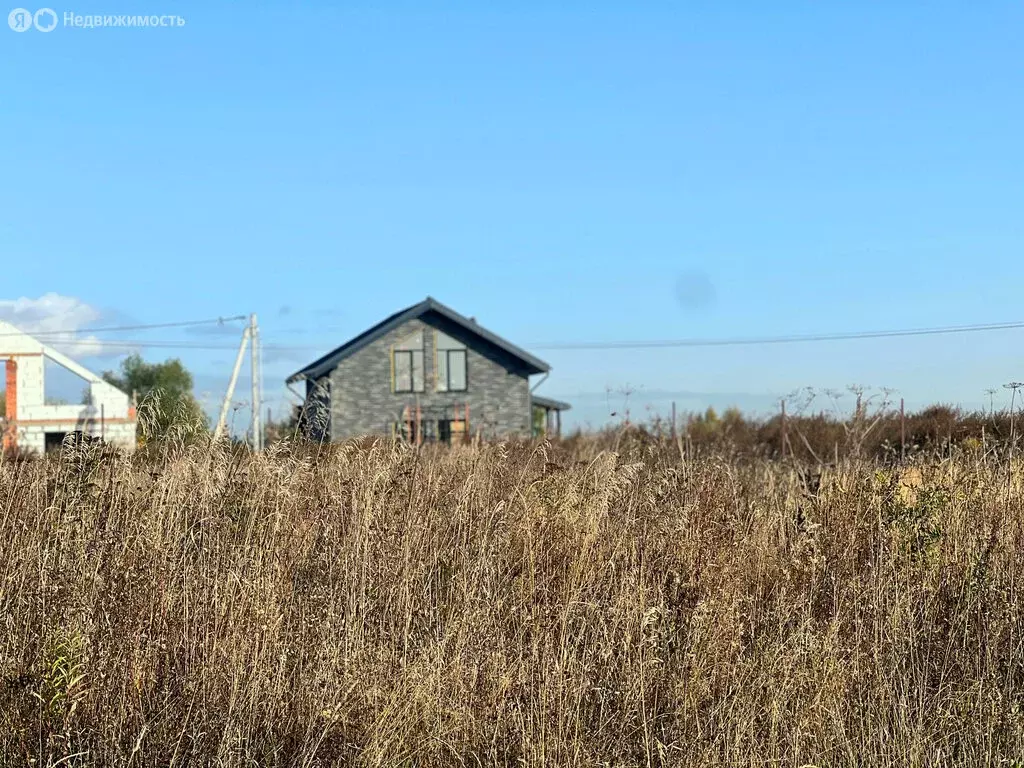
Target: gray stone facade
(362, 400)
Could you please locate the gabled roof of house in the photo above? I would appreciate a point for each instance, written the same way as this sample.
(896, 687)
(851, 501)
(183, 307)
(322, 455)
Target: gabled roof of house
(328, 362)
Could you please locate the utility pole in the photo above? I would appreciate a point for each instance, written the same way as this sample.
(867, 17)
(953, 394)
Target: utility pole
(257, 432)
(223, 418)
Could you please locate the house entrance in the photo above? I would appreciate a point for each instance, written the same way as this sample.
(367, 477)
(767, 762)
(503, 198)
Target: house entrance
(442, 424)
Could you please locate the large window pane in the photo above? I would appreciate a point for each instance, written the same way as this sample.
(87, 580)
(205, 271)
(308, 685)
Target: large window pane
(457, 369)
(417, 370)
(442, 371)
(403, 371)
(444, 341)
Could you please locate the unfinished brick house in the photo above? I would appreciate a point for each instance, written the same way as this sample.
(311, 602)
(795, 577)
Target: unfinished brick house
(426, 373)
(32, 425)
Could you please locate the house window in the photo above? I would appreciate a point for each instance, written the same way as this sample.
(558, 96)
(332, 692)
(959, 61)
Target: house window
(451, 370)
(408, 370)
(407, 364)
(452, 431)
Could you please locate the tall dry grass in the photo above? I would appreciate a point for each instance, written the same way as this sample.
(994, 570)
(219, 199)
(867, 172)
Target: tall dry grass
(508, 605)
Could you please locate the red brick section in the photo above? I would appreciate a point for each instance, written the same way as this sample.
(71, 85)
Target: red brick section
(11, 405)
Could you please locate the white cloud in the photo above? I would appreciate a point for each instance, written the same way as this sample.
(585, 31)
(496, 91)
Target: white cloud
(57, 320)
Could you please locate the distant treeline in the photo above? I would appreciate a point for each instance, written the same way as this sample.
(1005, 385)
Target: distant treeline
(884, 434)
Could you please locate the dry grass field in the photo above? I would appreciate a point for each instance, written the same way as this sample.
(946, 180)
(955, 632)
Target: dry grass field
(520, 604)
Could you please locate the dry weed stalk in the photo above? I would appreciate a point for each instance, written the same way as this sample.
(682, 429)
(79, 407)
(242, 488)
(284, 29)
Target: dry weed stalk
(509, 604)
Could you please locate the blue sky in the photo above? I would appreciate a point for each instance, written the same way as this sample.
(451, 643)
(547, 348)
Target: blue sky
(600, 172)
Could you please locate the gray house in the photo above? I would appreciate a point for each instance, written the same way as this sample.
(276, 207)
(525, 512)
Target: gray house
(426, 373)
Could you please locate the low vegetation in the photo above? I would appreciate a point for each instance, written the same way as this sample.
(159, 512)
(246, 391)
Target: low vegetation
(587, 603)
(877, 432)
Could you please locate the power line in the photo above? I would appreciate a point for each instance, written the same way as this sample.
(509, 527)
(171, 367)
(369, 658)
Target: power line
(167, 344)
(150, 326)
(126, 345)
(758, 340)
(599, 345)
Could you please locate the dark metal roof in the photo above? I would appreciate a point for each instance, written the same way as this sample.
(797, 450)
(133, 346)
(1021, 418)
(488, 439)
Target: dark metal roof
(328, 362)
(549, 404)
